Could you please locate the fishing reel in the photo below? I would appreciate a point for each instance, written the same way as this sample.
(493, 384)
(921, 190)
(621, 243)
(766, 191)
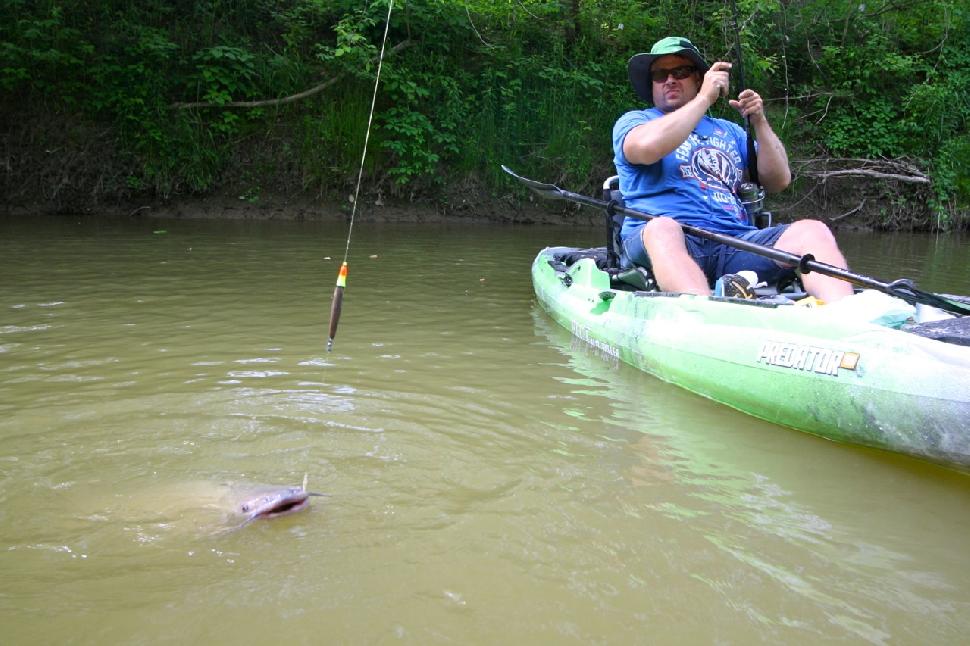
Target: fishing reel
(752, 197)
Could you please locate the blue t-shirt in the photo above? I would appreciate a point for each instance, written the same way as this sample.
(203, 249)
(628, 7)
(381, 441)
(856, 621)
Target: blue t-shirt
(696, 184)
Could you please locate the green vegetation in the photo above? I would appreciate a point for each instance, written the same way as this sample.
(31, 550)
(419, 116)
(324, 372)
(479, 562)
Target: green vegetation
(108, 100)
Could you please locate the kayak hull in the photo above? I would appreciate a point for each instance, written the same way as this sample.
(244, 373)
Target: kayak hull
(843, 379)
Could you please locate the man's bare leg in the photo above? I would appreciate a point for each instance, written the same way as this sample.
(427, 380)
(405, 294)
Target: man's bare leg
(673, 268)
(814, 237)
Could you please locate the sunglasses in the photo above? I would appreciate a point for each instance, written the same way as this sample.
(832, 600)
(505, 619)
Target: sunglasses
(679, 73)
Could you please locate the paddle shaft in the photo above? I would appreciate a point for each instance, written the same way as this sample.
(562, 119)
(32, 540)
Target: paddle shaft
(803, 264)
(902, 288)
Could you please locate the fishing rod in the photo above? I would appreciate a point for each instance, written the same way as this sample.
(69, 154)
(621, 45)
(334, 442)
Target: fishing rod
(336, 303)
(753, 194)
(902, 288)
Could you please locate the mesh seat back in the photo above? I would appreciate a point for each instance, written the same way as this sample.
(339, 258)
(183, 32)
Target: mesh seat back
(614, 222)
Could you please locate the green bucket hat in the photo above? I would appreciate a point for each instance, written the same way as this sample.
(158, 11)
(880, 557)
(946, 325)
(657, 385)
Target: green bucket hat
(639, 65)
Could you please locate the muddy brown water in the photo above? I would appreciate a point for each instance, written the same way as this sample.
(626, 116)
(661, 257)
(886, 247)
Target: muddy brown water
(490, 479)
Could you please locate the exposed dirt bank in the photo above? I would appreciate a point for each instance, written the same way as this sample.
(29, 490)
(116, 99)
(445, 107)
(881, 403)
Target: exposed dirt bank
(301, 208)
(309, 209)
(841, 203)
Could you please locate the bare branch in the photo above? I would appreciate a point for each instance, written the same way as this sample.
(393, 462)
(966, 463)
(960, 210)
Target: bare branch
(808, 96)
(884, 165)
(863, 172)
(519, 2)
(287, 99)
(850, 211)
(826, 113)
(475, 29)
(791, 207)
(946, 34)
(889, 6)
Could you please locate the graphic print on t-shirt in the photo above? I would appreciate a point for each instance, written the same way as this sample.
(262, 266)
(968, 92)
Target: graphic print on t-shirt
(715, 167)
(715, 164)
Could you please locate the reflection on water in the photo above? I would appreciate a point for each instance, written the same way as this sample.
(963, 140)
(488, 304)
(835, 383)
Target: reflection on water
(490, 477)
(790, 541)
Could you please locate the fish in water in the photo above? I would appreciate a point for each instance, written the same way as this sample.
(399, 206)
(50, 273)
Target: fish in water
(200, 507)
(272, 502)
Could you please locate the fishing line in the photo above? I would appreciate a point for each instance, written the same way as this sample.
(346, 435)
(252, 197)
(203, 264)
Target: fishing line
(338, 292)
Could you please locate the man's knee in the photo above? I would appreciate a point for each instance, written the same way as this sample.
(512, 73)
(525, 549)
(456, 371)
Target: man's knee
(662, 228)
(812, 230)
(805, 235)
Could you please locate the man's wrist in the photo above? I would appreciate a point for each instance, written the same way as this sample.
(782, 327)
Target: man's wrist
(708, 102)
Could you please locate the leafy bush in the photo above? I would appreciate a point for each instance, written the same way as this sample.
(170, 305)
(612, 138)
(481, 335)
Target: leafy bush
(535, 84)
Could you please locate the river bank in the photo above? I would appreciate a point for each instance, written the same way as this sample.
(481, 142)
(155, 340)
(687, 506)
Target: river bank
(91, 190)
(839, 214)
(309, 208)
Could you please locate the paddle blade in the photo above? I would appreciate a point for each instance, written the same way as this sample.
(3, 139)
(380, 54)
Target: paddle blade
(337, 304)
(545, 190)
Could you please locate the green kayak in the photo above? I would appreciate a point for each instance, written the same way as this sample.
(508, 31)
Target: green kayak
(839, 371)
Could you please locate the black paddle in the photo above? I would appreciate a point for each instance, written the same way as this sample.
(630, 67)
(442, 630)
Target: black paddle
(902, 288)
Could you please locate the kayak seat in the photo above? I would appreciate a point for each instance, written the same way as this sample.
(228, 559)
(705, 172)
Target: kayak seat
(568, 256)
(624, 274)
(637, 277)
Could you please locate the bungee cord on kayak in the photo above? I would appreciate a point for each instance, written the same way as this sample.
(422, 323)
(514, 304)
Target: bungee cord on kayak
(336, 304)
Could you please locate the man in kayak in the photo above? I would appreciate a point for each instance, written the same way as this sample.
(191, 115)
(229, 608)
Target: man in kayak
(675, 160)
